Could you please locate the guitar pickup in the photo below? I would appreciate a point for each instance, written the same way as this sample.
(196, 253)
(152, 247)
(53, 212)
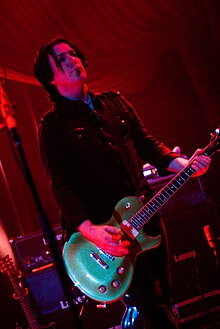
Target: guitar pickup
(99, 260)
(112, 258)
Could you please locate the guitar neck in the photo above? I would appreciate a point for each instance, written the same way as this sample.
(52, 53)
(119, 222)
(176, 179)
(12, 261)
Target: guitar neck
(150, 209)
(30, 315)
(22, 294)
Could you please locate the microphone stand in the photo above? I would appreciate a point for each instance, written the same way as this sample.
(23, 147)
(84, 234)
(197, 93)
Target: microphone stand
(10, 123)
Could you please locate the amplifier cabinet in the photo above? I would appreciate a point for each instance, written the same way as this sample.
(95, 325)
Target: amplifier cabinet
(46, 289)
(50, 303)
(194, 267)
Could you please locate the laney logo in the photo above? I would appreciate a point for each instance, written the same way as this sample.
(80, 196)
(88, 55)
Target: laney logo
(58, 237)
(186, 255)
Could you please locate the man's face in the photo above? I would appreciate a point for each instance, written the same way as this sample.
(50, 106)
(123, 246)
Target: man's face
(67, 68)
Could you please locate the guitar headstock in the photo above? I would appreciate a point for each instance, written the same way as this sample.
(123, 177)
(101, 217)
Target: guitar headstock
(215, 134)
(6, 264)
(214, 143)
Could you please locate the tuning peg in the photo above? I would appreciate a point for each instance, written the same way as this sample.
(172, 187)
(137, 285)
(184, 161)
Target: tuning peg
(216, 132)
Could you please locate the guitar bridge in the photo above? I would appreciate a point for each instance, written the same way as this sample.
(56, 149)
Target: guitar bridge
(129, 229)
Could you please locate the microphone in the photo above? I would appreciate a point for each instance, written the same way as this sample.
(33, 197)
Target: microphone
(210, 238)
(6, 110)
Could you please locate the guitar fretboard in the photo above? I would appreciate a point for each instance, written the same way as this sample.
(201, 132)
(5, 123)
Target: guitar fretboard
(148, 210)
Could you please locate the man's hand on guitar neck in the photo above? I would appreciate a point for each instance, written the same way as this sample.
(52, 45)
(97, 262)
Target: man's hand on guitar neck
(106, 237)
(200, 163)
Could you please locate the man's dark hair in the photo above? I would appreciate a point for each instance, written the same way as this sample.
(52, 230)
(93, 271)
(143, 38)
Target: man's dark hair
(42, 69)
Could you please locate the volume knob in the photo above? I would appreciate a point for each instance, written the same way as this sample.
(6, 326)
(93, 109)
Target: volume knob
(121, 270)
(115, 283)
(102, 289)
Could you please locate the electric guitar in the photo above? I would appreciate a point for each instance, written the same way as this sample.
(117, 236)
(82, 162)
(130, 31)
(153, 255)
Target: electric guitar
(106, 278)
(21, 293)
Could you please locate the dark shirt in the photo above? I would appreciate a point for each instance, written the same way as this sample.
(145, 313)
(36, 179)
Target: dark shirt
(94, 157)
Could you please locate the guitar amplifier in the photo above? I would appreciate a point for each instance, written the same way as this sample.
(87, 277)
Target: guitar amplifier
(193, 267)
(32, 251)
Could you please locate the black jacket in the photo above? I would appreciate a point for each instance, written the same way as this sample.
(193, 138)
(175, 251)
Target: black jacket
(95, 158)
